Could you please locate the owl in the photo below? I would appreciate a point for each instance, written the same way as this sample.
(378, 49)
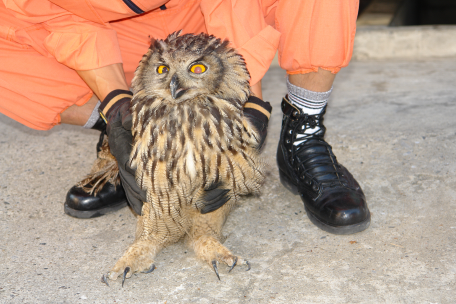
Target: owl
(189, 137)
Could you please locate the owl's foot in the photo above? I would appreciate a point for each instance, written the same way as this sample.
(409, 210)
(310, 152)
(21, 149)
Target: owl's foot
(213, 252)
(138, 258)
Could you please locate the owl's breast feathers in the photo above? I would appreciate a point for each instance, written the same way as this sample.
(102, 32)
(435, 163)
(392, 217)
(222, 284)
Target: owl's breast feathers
(180, 150)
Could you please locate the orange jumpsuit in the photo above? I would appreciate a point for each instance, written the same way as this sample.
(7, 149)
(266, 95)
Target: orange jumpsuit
(43, 42)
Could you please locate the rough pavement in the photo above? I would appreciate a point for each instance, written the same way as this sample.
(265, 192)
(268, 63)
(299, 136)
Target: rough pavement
(392, 123)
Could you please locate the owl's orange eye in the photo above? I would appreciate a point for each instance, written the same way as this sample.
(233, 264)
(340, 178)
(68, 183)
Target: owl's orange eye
(198, 68)
(162, 69)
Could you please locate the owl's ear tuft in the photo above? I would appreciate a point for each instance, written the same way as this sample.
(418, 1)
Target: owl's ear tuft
(223, 47)
(151, 42)
(174, 35)
(158, 45)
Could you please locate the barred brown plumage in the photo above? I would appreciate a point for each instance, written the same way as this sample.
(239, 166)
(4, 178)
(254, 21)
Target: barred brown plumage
(189, 136)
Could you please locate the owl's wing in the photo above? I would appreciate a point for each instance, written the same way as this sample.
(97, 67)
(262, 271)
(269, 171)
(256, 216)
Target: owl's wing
(212, 198)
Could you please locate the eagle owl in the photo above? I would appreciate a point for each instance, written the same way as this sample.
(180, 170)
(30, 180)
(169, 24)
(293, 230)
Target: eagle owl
(189, 137)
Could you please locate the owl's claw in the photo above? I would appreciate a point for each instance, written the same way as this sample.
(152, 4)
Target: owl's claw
(152, 268)
(214, 265)
(127, 269)
(234, 264)
(104, 279)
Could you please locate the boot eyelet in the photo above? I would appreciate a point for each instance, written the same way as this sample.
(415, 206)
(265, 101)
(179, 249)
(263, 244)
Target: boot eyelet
(308, 182)
(287, 141)
(315, 187)
(295, 113)
(290, 131)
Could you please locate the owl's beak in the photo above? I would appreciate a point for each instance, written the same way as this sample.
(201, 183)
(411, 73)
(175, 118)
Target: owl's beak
(176, 90)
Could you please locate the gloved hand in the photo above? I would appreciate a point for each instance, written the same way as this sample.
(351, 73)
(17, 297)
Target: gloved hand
(115, 110)
(258, 112)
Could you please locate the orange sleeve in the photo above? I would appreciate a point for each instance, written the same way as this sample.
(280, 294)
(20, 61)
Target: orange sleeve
(73, 41)
(243, 24)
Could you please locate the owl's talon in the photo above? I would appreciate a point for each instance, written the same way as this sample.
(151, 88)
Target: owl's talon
(152, 268)
(214, 265)
(248, 265)
(234, 264)
(104, 279)
(127, 269)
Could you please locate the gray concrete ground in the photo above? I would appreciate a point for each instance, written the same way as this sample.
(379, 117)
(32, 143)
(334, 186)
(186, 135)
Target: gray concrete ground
(392, 123)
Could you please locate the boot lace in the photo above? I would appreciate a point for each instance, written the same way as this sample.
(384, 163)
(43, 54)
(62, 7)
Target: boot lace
(312, 157)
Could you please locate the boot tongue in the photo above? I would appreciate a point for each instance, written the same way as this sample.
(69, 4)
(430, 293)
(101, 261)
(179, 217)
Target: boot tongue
(311, 127)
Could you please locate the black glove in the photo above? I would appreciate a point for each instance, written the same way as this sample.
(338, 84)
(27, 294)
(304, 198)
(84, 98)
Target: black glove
(115, 110)
(258, 112)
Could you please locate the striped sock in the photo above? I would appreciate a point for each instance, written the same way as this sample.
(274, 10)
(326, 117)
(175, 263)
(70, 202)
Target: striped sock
(310, 102)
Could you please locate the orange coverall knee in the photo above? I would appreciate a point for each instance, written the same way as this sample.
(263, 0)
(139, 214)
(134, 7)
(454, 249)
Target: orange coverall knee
(43, 42)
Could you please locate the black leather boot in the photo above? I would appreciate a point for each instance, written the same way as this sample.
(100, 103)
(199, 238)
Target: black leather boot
(110, 198)
(332, 197)
(81, 204)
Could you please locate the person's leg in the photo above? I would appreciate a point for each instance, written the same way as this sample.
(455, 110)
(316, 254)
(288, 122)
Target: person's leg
(36, 90)
(40, 93)
(320, 81)
(317, 40)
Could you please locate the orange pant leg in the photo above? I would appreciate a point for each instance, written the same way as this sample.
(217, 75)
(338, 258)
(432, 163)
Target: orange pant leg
(314, 33)
(34, 88)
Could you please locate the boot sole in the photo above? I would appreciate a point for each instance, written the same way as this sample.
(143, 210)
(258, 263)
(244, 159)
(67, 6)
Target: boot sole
(81, 214)
(341, 230)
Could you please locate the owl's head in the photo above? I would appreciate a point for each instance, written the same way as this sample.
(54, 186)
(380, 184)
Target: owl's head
(181, 68)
